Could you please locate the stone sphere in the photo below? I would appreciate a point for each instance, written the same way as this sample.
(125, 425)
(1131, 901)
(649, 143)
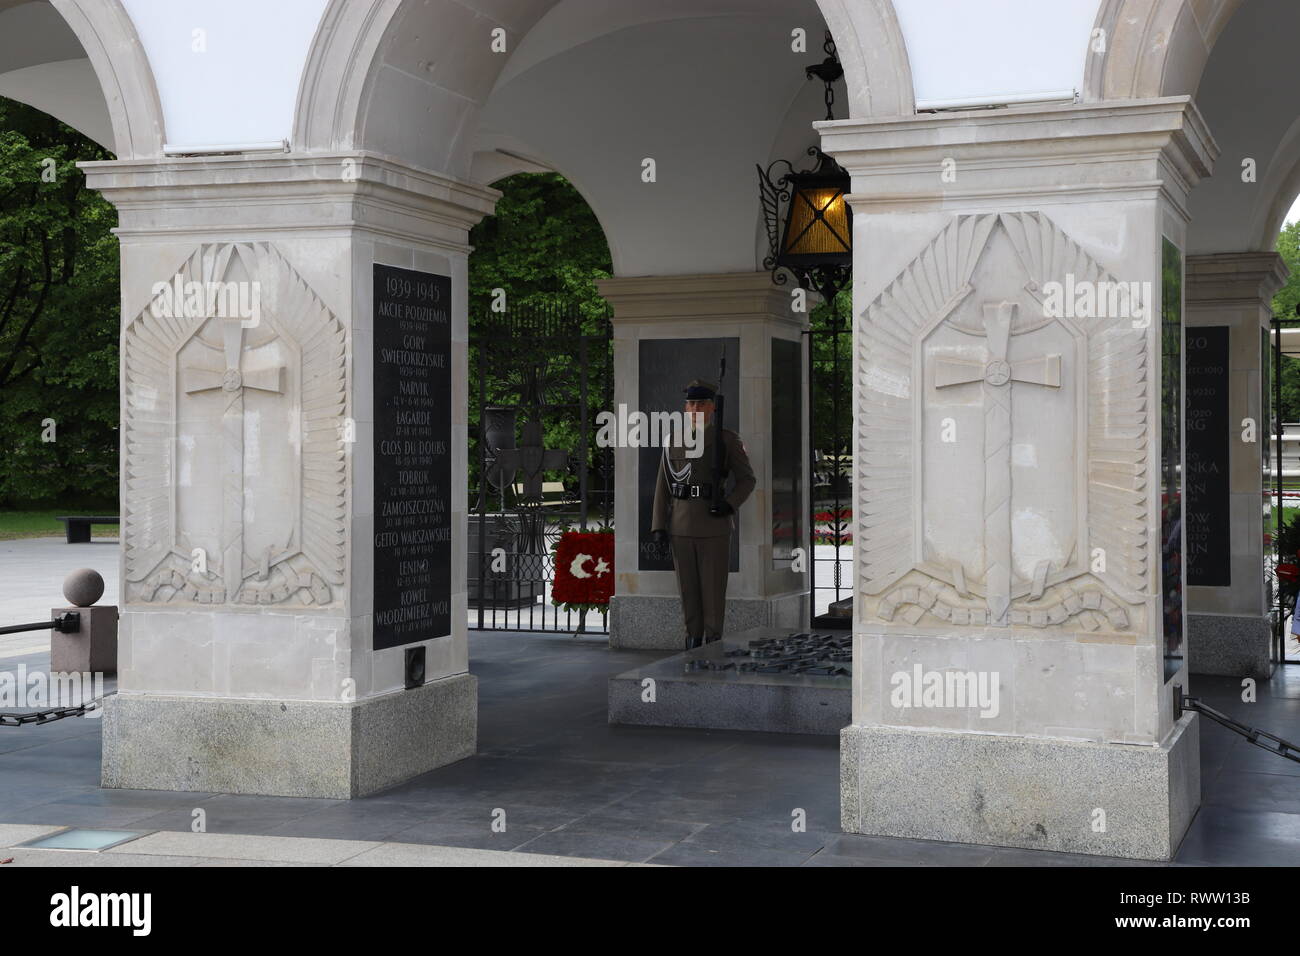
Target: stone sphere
(83, 587)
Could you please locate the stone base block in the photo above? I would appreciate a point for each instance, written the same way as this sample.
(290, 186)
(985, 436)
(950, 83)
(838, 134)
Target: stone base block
(655, 623)
(776, 703)
(1227, 645)
(93, 649)
(290, 748)
(1027, 792)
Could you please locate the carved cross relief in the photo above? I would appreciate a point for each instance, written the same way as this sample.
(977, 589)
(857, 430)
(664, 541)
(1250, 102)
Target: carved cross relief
(235, 498)
(998, 528)
(997, 374)
(231, 381)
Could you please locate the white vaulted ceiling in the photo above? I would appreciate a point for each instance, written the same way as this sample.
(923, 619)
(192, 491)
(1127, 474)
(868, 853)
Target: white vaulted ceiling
(240, 85)
(706, 95)
(1248, 97)
(995, 51)
(43, 64)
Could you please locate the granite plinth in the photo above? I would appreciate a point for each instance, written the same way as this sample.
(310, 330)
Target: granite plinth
(654, 622)
(1074, 796)
(294, 748)
(729, 700)
(1228, 645)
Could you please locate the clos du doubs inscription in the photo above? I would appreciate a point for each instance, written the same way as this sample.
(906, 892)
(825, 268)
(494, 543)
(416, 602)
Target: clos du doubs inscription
(412, 367)
(1208, 447)
(664, 367)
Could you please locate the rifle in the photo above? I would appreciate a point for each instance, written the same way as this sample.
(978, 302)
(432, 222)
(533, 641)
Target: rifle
(719, 448)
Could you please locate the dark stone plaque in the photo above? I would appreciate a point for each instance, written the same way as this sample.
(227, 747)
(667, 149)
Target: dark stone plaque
(1171, 455)
(412, 389)
(1270, 485)
(787, 450)
(1208, 430)
(664, 367)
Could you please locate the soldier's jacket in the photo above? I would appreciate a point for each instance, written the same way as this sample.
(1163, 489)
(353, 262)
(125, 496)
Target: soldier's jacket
(689, 517)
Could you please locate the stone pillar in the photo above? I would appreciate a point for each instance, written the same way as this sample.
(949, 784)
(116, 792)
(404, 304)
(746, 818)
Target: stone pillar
(1014, 664)
(669, 330)
(1229, 308)
(282, 553)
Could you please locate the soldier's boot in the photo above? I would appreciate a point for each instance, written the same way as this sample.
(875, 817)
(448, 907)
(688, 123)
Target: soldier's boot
(693, 642)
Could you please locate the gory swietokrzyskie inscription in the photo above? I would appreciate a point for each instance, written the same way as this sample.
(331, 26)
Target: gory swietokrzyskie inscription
(412, 383)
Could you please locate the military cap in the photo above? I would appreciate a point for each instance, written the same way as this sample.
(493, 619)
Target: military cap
(701, 391)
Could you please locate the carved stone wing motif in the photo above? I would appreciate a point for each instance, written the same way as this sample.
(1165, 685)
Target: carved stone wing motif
(187, 379)
(931, 286)
(1118, 407)
(1112, 385)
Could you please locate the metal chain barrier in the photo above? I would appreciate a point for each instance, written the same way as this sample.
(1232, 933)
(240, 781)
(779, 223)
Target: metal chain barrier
(46, 716)
(1260, 738)
(67, 623)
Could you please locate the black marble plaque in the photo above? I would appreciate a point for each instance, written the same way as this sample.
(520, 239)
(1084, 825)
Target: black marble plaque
(665, 366)
(1270, 487)
(787, 450)
(412, 390)
(1209, 542)
(1171, 455)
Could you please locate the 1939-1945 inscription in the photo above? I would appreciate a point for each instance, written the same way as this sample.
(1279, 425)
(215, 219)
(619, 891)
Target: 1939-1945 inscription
(412, 388)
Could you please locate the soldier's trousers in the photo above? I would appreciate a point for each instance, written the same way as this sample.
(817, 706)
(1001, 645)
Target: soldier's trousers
(701, 566)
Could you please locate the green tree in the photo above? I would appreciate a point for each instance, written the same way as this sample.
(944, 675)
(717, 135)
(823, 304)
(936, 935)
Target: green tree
(543, 246)
(1284, 307)
(544, 249)
(832, 386)
(58, 316)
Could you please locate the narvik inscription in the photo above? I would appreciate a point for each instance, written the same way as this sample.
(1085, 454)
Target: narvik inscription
(412, 382)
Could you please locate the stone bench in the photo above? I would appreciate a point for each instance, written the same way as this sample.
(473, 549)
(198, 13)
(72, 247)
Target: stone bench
(78, 526)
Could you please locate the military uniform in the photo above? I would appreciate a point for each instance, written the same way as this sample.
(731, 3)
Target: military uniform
(701, 540)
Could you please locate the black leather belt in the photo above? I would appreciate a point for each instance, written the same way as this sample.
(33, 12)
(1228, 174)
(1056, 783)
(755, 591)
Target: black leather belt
(690, 491)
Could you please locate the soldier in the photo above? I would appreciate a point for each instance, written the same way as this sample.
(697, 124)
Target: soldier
(700, 531)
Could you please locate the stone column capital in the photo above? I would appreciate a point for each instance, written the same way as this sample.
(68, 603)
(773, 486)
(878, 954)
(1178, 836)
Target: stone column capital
(290, 193)
(734, 297)
(1037, 152)
(1235, 278)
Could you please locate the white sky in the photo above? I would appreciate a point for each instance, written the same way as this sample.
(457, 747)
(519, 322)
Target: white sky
(1294, 214)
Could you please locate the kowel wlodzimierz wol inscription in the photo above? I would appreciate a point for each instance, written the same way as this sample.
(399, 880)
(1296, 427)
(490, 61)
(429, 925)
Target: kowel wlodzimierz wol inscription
(412, 389)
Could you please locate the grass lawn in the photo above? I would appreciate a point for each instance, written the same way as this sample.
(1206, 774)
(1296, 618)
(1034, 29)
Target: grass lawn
(45, 524)
(1270, 522)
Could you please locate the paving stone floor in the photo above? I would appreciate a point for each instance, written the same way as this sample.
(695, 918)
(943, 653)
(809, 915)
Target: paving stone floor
(572, 786)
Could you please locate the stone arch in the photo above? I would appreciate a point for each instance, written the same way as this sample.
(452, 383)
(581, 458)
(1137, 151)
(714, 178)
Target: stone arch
(1154, 47)
(365, 50)
(122, 68)
(1244, 98)
(1283, 185)
(334, 75)
(871, 48)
